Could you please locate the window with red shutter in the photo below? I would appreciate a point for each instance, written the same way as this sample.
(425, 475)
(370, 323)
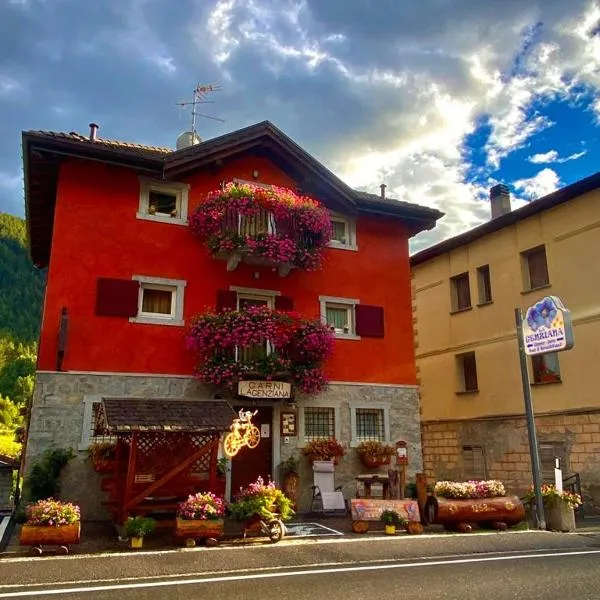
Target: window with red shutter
(117, 297)
(369, 321)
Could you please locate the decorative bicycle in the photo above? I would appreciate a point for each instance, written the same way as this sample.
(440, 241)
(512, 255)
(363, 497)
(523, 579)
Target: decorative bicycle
(243, 433)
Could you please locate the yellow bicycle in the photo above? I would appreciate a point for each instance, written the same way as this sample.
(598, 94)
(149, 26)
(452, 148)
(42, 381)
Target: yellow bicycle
(243, 433)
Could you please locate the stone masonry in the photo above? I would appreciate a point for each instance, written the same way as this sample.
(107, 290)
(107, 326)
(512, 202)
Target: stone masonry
(506, 447)
(59, 404)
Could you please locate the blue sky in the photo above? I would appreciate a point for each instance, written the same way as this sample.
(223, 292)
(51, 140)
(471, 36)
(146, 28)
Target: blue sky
(439, 99)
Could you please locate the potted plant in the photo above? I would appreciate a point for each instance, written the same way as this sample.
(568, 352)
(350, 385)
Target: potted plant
(51, 522)
(102, 455)
(136, 528)
(324, 449)
(374, 453)
(289, 473)
(260, 501)
(559, 507)
(200, 516)
(391, 519)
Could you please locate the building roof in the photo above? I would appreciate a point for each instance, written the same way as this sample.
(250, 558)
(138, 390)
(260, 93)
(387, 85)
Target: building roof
(121, 415)
(44, 151)
(534, 207)
(7, 462)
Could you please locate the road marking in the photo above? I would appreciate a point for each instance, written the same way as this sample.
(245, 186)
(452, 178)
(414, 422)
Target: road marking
(269, 547)
(300, 573)
(258, 570)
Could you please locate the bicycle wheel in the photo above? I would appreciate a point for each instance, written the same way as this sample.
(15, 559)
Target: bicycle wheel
(276, 530)
(230, 446)
(253, 437)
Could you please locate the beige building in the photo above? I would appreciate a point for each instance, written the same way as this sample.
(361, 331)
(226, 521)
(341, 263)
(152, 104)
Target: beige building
(465, 291)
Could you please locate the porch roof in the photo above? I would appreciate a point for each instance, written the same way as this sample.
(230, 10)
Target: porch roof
(122, 415)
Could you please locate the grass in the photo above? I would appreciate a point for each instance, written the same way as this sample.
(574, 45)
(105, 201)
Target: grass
(8, 446)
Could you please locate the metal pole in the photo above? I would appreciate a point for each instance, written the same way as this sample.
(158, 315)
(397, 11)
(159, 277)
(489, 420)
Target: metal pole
(533, 446)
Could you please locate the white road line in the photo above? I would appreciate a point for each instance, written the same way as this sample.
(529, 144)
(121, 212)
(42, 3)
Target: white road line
(284, 543)
(300, 573)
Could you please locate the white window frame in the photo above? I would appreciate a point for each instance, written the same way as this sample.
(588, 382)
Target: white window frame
(309, 403)
(254, 294)
(177, 288)
(350, 224)
(351, 303)
(385, 406)
(181, 192)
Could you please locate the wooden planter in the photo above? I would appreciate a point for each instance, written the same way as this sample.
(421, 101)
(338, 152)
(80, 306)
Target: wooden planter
(46, 535)
(491, 511)
(371, 460)
(201, 528)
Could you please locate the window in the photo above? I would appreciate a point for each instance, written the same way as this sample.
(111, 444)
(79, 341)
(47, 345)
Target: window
(160, 301)
(369, 421)
(484, 284)
(461, 292)
(370, 424)
(467, 372)
(545, 368)
(473, 458)
(164, 202)
(339, 315)
(343, 232)
(319, 422)
(257, 351)
(535, 268)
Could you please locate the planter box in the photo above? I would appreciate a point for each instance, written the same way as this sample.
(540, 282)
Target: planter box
(450, 511)
(370, 460)
(559, 516)
(201, 528)
(46, 535)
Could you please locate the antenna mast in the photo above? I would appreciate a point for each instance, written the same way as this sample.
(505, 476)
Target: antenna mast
(199, 97)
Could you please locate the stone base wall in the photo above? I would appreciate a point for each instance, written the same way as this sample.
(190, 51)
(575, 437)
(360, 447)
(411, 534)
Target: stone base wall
(57, 419)
(506, 449)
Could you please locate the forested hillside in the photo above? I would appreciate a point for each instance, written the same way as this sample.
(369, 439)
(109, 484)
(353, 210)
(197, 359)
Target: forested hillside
(21, 293)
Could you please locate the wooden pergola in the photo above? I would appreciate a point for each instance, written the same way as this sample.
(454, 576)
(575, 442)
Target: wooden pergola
(165, 450)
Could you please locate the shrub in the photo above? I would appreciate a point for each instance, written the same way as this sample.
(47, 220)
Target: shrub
(139, 526)
(551, 495)
(262, 500)
(44, 478)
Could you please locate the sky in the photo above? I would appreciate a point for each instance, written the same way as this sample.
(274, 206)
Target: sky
(439, 99)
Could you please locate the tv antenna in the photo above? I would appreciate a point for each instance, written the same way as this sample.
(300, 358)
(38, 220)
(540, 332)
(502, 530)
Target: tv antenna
(199, 96)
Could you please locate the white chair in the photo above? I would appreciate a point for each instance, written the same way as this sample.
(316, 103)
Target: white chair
(330, 498)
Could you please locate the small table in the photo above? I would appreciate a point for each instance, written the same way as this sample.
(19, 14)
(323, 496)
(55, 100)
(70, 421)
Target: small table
(371, 479)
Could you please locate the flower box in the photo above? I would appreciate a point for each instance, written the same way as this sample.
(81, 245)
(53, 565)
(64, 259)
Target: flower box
(452, 512)
(48, 535)
(370, 460)
(199, 528)
(103, 465)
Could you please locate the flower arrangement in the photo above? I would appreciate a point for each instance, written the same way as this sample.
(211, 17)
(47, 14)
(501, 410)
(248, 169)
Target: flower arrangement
(102, 455)
(52, 513)
(551, 495)
(261, 500)
(299, 347)
(324, 449)
(276, 224)
(391, 517)
(374, 453)
(469, 489)
(139, 527)
(201, 507)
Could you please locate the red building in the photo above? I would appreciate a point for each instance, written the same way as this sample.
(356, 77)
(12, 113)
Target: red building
(127, 273)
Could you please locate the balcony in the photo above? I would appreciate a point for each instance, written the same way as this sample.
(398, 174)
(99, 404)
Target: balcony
(260, 343)
(269, 227)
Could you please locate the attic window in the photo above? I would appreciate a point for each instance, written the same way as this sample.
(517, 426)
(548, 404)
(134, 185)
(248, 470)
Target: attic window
(343, 232)
(163, 202)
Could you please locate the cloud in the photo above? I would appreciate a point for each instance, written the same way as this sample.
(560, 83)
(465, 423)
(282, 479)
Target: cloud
(544, 182)
(552, 157)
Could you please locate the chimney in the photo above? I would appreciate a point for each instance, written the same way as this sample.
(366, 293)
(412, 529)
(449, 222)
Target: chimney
(499, 200)
(383, 186)
(93, 132)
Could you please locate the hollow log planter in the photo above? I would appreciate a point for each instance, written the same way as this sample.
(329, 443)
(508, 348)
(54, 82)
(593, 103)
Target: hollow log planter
(37, 536)
(459, 515)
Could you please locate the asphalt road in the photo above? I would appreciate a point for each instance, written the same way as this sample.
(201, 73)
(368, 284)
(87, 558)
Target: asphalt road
(534, 565)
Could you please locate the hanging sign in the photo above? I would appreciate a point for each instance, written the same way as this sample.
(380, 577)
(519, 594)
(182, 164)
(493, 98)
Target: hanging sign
(547, 327)
(265, 389)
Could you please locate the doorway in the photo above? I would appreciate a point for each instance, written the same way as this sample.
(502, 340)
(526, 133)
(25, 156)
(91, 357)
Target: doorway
(248, 464)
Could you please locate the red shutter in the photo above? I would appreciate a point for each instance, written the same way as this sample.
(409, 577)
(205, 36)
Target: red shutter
(226, 300)
(369, 320)
(117, 297)
(284, 303)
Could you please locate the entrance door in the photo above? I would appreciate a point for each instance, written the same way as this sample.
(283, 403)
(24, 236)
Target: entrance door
(248, 464)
